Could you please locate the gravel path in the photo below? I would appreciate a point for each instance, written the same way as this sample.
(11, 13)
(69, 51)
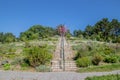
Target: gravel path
(14, 75)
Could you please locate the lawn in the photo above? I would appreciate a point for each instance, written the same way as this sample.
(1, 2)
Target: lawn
(107, 77)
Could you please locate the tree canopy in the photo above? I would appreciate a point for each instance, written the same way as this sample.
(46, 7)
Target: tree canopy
(37, 32)
(103, 30)
(7, 37)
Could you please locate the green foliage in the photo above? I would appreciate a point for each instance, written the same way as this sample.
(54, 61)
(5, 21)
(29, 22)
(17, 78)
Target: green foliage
(111, 59)
(27, 44)
(37, 55)
(7, 66)
(42, 68)
(101, 53)
(97, 59)
(17, 61)
(37, 32)
(80, 53)
(83, 62)
(76, 33)
(3, 62)
(105, 77)
(103, 30)
(7, 37)
(108, 50)
(118, 57)
(24, 64)
(76, 47)
(101, 68)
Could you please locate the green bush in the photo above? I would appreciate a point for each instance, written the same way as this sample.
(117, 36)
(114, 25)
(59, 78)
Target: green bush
(83, 62)
(81, 53)
(24, 64)
(37, 56)
(97, 59)
(111, 59)
(118, 58)
(42, 68)
(76, 47)
(7, 66)
(108, 51)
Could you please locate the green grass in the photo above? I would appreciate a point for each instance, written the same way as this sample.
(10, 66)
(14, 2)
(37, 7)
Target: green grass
(107, 77)
(11, 51)
(101, 68)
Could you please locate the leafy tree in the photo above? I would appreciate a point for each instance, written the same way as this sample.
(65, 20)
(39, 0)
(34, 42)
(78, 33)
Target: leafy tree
(37, 32)
(1, 37)
(103, 30)
(7, 37)
(77, 33)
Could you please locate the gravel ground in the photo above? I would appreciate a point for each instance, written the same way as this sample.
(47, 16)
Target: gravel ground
(14, 75)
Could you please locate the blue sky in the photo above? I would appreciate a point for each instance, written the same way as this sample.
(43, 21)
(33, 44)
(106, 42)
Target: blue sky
(18, 15)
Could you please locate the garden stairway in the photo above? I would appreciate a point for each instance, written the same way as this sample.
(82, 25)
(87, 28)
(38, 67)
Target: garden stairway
(58, 64)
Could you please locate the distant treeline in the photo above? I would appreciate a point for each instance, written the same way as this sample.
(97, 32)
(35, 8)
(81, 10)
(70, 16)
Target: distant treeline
(103, 30)
(34, 32)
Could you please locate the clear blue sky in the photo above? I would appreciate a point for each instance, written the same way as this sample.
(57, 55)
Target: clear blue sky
(18, 15)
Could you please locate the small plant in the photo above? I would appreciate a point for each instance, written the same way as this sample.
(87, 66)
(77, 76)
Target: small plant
(96, 59)
(4, 62)
(17, 61)
(83, 62)
(42, 68)
(7, 66)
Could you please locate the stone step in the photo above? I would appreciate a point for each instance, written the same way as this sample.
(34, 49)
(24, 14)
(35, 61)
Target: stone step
(69, 66)
(57, 70)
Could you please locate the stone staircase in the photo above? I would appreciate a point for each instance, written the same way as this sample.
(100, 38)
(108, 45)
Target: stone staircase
(68, 64)
(56, 67)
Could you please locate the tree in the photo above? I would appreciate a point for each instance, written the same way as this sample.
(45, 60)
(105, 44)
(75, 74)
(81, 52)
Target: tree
(77, 33)
(1, 37)
(103, 30)
(9, 37)
(37, 32)
(88, 31)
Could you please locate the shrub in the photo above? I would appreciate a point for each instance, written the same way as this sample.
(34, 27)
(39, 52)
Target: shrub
(83, 62)
(110, 59)
(6, 66)
(76, 47)
(108, 51)
(42, 68)
(37, 56)
(17, 61)
(24, 64)
(96, 59)
(80, 53)
(118, 58)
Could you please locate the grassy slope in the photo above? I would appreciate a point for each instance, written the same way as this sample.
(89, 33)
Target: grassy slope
(102, 68)
(11, 51)
(77, 43)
